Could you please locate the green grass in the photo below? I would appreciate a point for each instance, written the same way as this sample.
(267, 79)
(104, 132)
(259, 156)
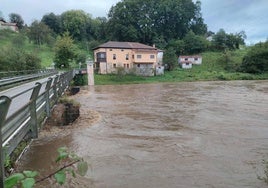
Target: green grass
(44, 52)
(210, 69)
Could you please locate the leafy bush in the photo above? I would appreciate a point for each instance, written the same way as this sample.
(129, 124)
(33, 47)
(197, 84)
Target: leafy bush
(80, 80)
(170, 59)
(65, 51)
(227, 61)
(15, 59)
(256, 60)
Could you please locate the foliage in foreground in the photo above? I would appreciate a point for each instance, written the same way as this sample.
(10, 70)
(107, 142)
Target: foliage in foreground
(66, 161)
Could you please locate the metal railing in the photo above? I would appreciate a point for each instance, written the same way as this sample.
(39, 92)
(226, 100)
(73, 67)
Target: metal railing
(25, 121)
(11, 77)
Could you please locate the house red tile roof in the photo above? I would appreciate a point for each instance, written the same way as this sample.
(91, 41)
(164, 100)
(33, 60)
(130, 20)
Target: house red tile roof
(125, 45)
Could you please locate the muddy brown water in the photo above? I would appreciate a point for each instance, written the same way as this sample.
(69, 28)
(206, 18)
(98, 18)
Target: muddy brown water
(200, 134)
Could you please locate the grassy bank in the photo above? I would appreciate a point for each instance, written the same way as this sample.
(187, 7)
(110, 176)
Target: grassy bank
(12, 39)
(212, 68)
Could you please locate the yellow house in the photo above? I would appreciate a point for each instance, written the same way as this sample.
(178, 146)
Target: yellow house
(131, 56)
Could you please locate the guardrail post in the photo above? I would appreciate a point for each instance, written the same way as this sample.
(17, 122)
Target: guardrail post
(60, 84)
(4, 106)
(47, 96)
(34, 126)
(55, 83)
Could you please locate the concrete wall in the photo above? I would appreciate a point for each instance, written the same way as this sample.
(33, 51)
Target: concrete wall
(186, 65)
(144, 69)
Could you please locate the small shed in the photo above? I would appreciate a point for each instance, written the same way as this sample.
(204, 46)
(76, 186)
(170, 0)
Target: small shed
(195, 59)
(186, 64)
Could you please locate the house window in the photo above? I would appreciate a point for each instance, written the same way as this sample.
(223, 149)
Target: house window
(101, 57)
(114, 56)
(132, 56)
(127, 57)
(186, 59)
(124, 65)
(138, 65)
(122, 50)
(128, 66)
(187, 63)
(195, 58)
(151, 56)
(111, 49)
(114, 65)
(138, 56)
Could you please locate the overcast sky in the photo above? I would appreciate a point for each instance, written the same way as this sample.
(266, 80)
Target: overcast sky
(231, 15)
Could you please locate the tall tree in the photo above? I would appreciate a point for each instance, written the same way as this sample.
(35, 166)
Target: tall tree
(122, 23)
(170, 59)
(101, 28)
(219, 40)
(65, 51)
(197, 24)
(222, 40)
(75, 22)
(194, 43)
(53, 22)
(16, 18)
(151, 20)
(39, 33)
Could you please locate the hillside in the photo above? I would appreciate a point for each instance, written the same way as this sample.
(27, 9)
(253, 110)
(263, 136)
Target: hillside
(44, 52)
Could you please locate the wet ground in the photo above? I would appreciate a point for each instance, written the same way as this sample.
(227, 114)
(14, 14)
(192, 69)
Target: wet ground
(200, 134)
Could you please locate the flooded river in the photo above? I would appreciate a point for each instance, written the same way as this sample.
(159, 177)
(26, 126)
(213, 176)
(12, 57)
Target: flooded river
(200, 135)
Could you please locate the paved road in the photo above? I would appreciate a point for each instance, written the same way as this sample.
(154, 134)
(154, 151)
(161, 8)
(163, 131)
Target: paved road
(21, 100)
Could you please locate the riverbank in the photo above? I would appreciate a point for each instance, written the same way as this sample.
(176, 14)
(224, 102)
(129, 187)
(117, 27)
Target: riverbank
(213, 68)
(178, 75)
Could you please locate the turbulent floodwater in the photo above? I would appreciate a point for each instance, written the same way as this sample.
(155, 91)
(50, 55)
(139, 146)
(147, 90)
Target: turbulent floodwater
(200, 134)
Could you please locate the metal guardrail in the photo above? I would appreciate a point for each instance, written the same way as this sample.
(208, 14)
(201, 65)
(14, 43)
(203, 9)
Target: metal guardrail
(7, 78)
(25, 121)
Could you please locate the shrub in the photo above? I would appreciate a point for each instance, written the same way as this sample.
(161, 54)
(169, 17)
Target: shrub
(256, 60)
(80, 80)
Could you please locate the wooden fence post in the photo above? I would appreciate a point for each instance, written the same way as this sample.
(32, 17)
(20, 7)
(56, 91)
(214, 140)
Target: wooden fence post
(34, 126)
(4, 106)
